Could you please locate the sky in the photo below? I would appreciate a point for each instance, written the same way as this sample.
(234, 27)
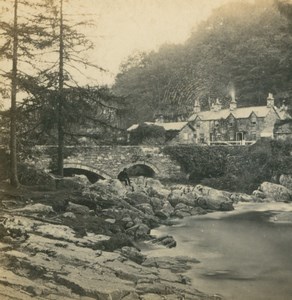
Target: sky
(125, 26)
(122, 27)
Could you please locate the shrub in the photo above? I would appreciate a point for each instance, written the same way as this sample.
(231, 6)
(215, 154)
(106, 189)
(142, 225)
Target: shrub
(149, 134)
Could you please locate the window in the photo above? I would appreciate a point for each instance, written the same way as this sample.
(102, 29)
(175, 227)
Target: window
(253, 120)
(253, 136)
(202, 138)
(185, 136)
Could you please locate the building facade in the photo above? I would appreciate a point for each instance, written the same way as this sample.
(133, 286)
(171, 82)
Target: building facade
(234, 125)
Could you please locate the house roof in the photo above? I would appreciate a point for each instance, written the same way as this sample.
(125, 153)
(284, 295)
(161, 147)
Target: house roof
(166, 126)
(238, 113)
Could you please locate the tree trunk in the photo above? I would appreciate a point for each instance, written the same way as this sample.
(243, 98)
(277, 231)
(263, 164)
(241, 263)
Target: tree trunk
(13, 140)
(60, 98)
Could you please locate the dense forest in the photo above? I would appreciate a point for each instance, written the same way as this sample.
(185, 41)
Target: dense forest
(243, 49)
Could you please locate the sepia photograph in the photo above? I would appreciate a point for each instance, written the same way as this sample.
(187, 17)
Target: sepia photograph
(145, 149)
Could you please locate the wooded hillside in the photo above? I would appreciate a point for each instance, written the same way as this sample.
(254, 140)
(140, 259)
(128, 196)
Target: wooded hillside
(242, 48)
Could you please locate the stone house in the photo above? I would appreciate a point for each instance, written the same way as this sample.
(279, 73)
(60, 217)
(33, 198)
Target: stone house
(175, 132)
(234, 125)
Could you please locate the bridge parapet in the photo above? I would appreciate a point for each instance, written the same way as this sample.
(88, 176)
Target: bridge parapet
(108, 161)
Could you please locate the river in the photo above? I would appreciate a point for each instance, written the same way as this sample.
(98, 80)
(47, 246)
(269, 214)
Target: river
(243, 254)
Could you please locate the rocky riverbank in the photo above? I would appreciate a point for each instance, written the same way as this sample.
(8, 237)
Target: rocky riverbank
(79, 240)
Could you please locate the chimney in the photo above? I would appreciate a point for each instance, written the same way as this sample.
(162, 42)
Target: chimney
(197, 107)
(270, 100)
(233, 104)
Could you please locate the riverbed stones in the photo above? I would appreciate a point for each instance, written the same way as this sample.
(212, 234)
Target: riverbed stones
(277, 192)
(213, 199)
(167, 241)
(139, 232)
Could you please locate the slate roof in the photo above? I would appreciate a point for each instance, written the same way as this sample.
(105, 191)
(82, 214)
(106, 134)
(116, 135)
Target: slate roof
(238, 113)
(166, 126)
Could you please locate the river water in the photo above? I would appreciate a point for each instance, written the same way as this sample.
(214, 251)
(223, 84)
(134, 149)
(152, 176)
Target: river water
(243, 254)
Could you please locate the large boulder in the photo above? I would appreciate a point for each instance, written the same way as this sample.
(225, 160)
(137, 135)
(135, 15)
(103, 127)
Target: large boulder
(277, 192)
(167, 241)
(213, 199)
(165, 212)
(181, 196)
(135, 198)
(241, 197)
(155, 188)
(182, 210)
(286, 181)
(108, 188)
(157, 203)
(139, 232)
(146, 208)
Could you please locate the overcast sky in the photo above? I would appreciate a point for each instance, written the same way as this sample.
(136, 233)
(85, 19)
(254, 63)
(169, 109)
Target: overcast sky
(125, 26)
(122, 27)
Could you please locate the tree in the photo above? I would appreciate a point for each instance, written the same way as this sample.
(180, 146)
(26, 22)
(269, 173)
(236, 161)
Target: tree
(18, 41)
(243, 47)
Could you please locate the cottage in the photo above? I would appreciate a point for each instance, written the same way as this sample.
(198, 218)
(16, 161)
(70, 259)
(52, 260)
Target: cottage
(175, 132)
(234, 125)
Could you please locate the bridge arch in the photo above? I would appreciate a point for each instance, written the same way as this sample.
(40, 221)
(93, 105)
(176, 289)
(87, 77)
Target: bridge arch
(82, 167)
(146, 169)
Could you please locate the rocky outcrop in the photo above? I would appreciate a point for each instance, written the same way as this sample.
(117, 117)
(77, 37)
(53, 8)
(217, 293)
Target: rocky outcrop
(213, 199)
(276, 192)
(52, 263)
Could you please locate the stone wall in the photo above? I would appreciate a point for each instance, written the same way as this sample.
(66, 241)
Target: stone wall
(108, 161)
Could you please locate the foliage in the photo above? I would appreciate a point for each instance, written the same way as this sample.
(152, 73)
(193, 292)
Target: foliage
(235, 168)
(148, 134)
(92, 113)
(243, 48)
(199, 161)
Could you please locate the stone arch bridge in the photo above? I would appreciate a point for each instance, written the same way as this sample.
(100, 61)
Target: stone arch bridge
(108, 161)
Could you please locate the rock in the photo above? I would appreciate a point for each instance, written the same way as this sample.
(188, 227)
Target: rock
(77, 209)
(213, 199)
(156, 203)
(179, 196)
(182, 210)
(37, 208)
(135, 198)
(166, 211)
(276, 191)
(139, 231)
(108, 189)
(167, 241)
(146, 208)
(286, 181)
(175, 264)
(154, 188)
(241, 197)
(258, 194)
(133, 254)
(69, 215)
